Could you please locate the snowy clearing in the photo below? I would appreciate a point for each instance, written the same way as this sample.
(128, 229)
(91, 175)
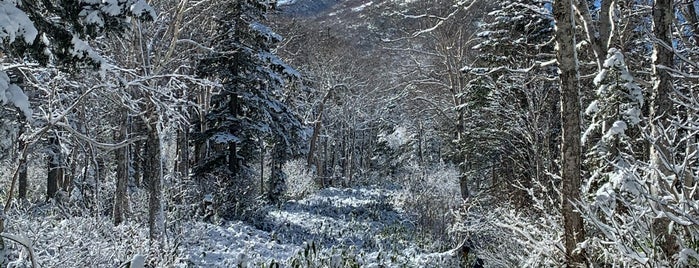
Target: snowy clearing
(334, 227)
(331, 228)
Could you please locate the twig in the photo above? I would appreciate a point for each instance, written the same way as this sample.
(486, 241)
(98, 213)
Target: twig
(22, 159)
(25, 243)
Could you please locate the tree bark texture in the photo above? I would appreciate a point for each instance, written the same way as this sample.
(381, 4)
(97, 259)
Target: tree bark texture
(570, 120)
(152, 175)
(55, 166)
(122, 173)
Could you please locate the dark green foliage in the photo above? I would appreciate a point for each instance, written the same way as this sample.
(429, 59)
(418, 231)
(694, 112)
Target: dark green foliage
(511, 105)
(63, 26)
(250, 105)
(516, 33)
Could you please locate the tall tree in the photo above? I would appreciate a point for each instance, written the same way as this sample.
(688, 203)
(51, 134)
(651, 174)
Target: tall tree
(512, 84)
(615, 127)
(570, 122)
(250, 103)
(661, 112)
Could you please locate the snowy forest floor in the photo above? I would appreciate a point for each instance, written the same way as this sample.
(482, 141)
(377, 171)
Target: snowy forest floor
(332, 228)
(362, 227)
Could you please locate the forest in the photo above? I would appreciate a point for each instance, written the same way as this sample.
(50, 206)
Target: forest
(349, 133)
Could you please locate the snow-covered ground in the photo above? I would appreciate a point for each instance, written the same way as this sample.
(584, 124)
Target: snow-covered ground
(332, 228)
(362, 227)
(285, 2)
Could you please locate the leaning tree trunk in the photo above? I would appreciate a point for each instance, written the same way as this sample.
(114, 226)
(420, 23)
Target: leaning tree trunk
(570, 120)
(661, 107)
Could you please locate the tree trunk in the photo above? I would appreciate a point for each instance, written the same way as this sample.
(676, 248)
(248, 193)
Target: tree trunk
(570, 120)
(463, 181)
(660, 113)
(233, 161)
(316, 130)
(262, 166)
(277, 181)
(137, 161)
(22, 174)
(200, 147)
(690, 13)
(350, 158)
(599, 35)
(182, 163)
(321, 167)
(55, 166)
(122, 173)
(152, 173)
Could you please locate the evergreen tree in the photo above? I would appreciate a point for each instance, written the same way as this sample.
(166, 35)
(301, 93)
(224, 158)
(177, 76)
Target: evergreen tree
(250, 102)
(615, 127)
(57, 32)
(512, 102)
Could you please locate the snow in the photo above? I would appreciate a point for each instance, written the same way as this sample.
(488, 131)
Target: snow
(222, 138)
(11, 93)
(398, 138)
(141, 8)
(326, 228)
(265, 31)
(600, 76)
(82, 50)
(94, 11)
(285, 2)
(590, 129)
(619, 127)
(16, 96)
(111, 7)
(92, 17)
(229, 245)
(592, 108)
(685, 254)
(138, 261)
(15, 23)
(363, 6)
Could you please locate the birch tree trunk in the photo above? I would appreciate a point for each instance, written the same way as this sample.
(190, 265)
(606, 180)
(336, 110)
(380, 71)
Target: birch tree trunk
(570, 122)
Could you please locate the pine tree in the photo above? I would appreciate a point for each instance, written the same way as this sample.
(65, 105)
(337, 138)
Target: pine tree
(57, 32)
(514, 121)
(250, 102)
(615, 126)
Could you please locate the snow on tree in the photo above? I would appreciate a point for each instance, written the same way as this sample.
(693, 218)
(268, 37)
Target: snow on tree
(511, 84)
(567, 57)
(614, 129)
(250, 104)
(56, 31)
